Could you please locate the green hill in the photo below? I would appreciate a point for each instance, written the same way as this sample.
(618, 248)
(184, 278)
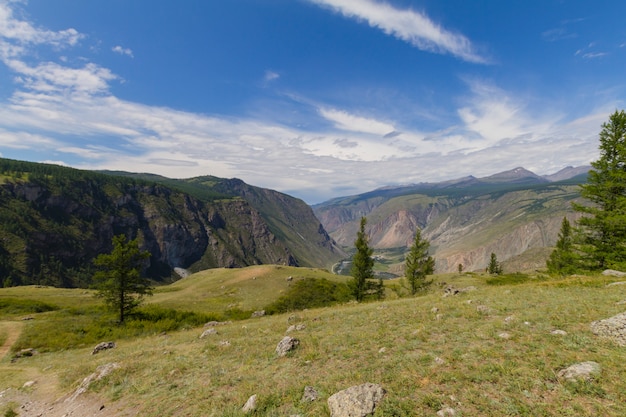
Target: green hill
(487, 351)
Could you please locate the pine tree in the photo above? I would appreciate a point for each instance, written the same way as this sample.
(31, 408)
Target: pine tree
(419, 264)
(494, 267)
(362, 263)
(563, 259)
(604, 223)
(119, 281)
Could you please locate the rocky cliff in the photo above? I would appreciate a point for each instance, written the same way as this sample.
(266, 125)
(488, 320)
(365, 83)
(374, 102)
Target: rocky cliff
(54, 221)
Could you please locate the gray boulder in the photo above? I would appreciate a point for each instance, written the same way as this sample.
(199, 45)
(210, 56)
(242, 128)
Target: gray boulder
(102, 346)
(613, 328)
(356, 401)
(286, 345)
(584, 371)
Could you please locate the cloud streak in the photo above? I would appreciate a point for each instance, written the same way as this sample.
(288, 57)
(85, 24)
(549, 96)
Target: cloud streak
(407, 25)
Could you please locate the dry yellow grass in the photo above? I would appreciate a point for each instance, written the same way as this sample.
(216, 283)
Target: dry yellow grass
(425, 358)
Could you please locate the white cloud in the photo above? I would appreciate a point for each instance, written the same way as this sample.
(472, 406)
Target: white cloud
(123, 51)
(271, 76)
(408, 25)
(346, 121)
(22, 33)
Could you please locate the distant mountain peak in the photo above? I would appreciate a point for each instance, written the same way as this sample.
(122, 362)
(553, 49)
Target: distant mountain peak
(514, 174)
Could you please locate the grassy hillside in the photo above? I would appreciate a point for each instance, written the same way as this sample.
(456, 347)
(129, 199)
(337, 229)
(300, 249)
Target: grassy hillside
(487, 352)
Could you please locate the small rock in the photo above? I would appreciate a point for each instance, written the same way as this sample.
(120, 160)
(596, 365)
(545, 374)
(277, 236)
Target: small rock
(103, 346)
(356, 401)
(483, 309)
(259, 313)
(559, 332)
(29, 384)
(286, 345)
(208, 332)
(382, 350)
(289, 278)
(446, 411)
(296, 327)
(504, 335)
(613, 284)
(224, 343)
(310, 394)
(250, 405)
(434, 310)
(439, 361)
(509, 319)
(613, 273)
(583, 371)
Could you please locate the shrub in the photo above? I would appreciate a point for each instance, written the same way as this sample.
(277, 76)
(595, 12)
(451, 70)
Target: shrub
(310, 293)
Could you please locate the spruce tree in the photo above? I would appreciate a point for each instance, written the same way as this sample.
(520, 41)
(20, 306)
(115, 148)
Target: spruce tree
(119, 281)
(604, 221)
(418, 264)
(362, 263)
(563, 259)
(494, 267)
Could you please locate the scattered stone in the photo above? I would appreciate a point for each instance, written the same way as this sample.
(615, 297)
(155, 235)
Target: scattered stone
(382, 350)
(103, 346)
(434, 310)
(216, 323)
(24, 353)
(613, 328)
(296, 327)
(559, 332)
(208, 332)
(613, 284)
(258, 313)
(613, 273)
(310, 395)
(101, 372)
(509, 319)
(250, 405)
(224, 343)
(504, 335)
(483, 309)
(450, 290)
(356, 401)
(584, 371)
(29, 384)
(620, 303)
(438, 317)
(289, 278)
(446, 411)
(286, 345)
(439, 361)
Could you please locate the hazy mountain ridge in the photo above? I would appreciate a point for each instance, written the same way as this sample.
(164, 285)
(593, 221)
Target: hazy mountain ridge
(465, 220)
(55, 220)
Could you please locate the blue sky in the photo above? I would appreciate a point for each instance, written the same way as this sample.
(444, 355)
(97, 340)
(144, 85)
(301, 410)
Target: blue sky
(314, 98)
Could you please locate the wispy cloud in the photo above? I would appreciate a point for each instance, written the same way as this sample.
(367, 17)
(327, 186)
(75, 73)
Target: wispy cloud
(123, 51)
(346, 121)
(408, 25)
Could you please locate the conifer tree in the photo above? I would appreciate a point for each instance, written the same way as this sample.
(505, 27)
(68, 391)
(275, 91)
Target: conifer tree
(563, 259)
(604, 222)
(362, 263)
(119, 281)
(494, 267)
(418, 264)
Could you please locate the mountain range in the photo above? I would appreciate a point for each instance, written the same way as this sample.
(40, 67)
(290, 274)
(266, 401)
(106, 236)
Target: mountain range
(511, 213)
(55, 220)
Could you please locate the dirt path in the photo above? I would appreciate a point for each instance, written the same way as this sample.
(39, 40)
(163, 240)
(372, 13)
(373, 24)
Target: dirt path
(12, 330)
(40, 395)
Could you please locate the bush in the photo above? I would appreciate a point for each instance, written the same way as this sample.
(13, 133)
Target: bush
(310, 293)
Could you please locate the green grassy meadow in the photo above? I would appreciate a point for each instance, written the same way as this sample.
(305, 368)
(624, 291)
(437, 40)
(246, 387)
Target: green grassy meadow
(427, 352)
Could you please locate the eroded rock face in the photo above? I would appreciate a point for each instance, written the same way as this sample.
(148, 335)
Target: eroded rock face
(613, 328)
(103, 346)
(356, 401)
